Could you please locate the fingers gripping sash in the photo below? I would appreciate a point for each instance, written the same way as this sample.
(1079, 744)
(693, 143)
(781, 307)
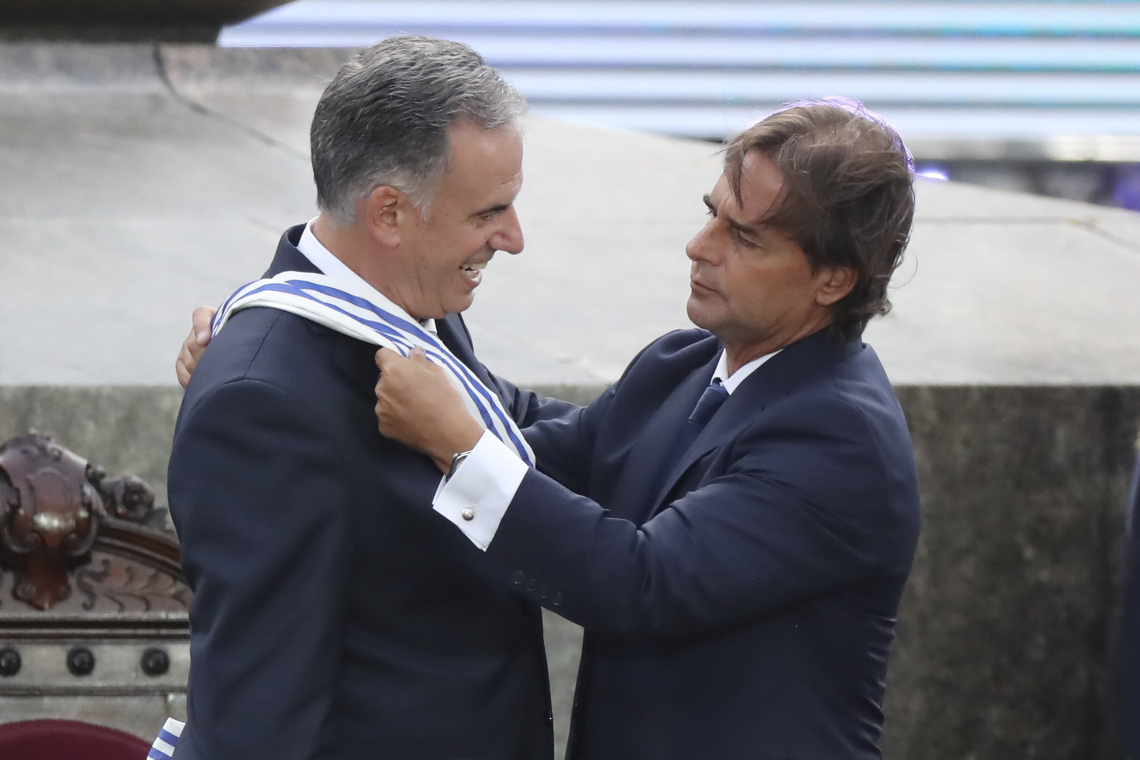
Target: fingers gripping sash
(338, 306)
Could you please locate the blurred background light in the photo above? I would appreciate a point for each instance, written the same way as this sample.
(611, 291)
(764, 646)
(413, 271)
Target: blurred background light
(1001, 93)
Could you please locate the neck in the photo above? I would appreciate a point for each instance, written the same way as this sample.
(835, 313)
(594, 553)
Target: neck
(357, 250)
(738, 354)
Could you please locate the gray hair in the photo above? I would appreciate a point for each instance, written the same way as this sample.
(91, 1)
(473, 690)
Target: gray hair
(384, 119)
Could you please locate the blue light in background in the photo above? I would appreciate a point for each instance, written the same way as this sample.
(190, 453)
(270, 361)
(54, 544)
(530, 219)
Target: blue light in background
(932, 171)
(1126, 193)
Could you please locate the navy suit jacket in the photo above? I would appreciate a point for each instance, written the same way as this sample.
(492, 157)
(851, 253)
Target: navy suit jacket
(740, 603)
(1130, 638)
(333, 617)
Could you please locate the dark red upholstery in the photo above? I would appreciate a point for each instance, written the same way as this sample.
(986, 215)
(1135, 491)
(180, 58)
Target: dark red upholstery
(67, 740)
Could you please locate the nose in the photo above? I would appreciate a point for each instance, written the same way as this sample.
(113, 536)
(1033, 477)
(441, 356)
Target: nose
(698, 248)
(509, 236)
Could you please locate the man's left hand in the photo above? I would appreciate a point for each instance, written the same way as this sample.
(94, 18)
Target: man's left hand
(194, 345)
(418, 405)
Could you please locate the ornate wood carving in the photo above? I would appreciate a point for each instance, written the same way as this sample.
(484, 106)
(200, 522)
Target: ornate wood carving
(66, 528)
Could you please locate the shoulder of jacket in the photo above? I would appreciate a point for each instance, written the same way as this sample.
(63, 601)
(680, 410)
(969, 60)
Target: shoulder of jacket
(691, 342)
(266, 345)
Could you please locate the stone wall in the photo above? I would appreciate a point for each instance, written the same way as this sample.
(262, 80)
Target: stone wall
(1005, 644)
(1006, 632)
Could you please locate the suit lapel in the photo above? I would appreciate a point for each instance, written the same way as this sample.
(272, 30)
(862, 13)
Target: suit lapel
(356, 364)
(634, 496)
(790, 369)
(452, 331)
(741, 408)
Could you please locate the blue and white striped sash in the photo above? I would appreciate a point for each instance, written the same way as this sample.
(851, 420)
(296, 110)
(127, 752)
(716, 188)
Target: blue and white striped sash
(166, 741)
(371, 318)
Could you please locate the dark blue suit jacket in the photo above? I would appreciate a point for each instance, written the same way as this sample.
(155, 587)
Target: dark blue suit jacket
(333, 617)
(1130, 638)
(740, 604)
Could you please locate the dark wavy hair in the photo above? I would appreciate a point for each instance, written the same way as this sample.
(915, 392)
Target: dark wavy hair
(847, 199)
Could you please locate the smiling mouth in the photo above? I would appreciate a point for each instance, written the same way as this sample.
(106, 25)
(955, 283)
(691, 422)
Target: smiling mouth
(474, 267)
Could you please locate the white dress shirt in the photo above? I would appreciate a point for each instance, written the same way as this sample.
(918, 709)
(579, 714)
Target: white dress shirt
(482, 488)
(324, 259)
(478, 494)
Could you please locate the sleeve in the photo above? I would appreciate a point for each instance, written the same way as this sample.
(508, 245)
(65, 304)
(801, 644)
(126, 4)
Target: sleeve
(793, 516)
(477, 495)
(563, 442)
(527, 407)
(1130, 635)
(262, 509)
(564, 437)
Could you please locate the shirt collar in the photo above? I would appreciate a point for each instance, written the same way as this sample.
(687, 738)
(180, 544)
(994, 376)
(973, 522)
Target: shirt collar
(326, 261)
(733, 381)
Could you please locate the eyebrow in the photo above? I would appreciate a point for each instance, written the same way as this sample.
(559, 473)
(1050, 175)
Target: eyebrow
(496, 209)
(741, 228)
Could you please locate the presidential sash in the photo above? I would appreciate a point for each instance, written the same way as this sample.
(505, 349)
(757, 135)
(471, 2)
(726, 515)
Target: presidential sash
(369, 317)
(166, 741)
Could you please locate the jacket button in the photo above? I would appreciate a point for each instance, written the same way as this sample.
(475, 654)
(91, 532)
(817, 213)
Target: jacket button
(517, 577)
(556, 599)
(544, 593)
(531, 584)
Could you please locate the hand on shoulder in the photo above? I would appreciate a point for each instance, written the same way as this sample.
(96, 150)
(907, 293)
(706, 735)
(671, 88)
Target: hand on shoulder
(194, 344)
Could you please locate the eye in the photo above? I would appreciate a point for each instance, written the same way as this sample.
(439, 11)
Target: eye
(488, 216)
(742, 238)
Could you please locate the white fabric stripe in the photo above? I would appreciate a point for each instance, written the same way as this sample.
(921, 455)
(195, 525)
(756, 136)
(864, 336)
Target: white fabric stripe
(293, 292)
(324, 260)
(163, 747)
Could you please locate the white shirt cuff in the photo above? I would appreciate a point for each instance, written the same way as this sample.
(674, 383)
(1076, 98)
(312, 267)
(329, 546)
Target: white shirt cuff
(478, 494)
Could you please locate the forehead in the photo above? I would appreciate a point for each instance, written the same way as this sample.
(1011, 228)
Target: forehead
(760, 185)
(482, 159)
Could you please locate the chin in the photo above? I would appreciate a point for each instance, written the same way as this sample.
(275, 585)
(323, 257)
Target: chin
(462, 304)
(693, 309)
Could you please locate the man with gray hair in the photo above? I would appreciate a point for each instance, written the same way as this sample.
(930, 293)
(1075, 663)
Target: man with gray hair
(332, 616)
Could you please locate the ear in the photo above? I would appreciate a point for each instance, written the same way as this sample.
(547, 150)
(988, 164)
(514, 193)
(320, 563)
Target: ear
(834, 284)
(387, 214)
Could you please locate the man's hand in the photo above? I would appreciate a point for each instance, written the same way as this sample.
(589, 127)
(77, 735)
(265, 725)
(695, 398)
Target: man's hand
(194, 344)
(418, 405)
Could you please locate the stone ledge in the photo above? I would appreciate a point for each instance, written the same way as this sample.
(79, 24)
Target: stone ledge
(1005, 636)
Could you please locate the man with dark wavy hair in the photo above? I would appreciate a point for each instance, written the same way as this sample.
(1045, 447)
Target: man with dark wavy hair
(847, 198)
(733, 521)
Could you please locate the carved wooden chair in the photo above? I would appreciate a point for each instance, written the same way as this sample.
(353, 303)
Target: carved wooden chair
(93, 604)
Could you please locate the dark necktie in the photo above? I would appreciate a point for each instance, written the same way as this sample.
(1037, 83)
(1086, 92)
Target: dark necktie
(711, 400)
